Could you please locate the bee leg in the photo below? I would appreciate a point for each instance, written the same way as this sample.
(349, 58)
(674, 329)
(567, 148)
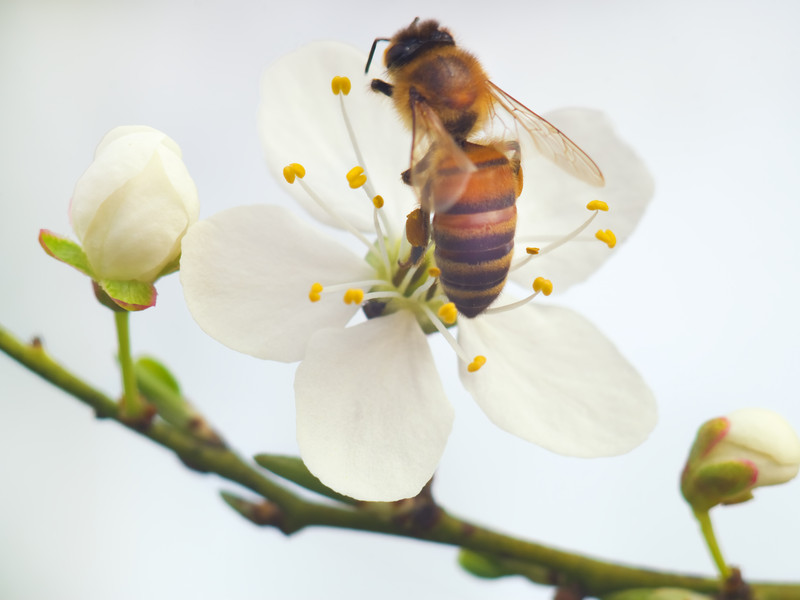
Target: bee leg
(418, 233)
(381, 86)
(418, 170)
(513, 152)
(516, 154)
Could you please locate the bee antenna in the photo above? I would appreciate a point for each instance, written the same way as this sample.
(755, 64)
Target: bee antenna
(372, 52)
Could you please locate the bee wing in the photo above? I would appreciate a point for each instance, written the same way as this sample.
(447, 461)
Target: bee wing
(549, 140)
(440, 169)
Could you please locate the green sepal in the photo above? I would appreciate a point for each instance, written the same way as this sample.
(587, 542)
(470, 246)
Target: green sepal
(262, 513)
(294, 469)
(480, 565)
(240, 505)
(150, 367)
(488, 566)
(130, 295)
(162, 390)
(719, 483)
(709, 435)
(65, 250)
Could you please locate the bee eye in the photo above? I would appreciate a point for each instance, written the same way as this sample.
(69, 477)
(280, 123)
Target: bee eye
(442, 37)
(399, 53)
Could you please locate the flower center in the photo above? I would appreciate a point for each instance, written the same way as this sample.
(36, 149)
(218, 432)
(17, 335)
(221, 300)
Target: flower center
(397, 284)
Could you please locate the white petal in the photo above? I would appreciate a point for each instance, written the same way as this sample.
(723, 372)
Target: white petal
(180, 179)
(300, 121)
(115, 163)
(553, 202)
(136, 231)
(774, 474)
(372, 417)
(766, 432)
(246, 274)
(553, 379)
(123, 130)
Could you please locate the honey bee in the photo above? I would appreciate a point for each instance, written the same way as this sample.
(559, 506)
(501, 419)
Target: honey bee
(465, 159)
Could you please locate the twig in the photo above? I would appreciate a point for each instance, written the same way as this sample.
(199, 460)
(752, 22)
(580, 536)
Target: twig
(290, 513)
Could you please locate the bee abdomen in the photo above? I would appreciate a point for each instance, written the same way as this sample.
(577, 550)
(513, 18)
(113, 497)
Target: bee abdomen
(474, 238)
(473, 252)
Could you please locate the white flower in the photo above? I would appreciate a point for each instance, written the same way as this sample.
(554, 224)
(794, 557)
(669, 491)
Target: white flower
(733, 455)
(372, 417)
(133, 205)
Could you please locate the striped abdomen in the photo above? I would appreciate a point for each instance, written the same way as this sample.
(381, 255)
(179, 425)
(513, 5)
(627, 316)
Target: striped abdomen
(475, 237)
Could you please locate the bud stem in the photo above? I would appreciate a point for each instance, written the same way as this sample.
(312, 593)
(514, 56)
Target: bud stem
(707, 528)
(131, 406)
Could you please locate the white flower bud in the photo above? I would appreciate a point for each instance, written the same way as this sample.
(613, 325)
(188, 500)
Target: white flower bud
(764, 438)
(732, 455)
(133, 205)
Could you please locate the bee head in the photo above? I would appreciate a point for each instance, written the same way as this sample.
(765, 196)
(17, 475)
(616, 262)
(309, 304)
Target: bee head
(415, 39)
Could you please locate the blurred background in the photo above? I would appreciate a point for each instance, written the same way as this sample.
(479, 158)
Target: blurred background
(702, 298)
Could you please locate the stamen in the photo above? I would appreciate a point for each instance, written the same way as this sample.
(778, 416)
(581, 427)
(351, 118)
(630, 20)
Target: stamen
(354, 284)
(595, 206)
(425, 289)
(340, 85)
(418, 273)
(349, 126)
(356, 177)
(476, 364)
(314, 294)
(360, 159)
(429, 288)
(607, 237)
(354, 296)
(448, 313)
(293, 170)
(383, 295)
(478, 361)
(377, 202)
(408, 278)
(399, 276)
(296, 169)
(540, 286)
(432, 290)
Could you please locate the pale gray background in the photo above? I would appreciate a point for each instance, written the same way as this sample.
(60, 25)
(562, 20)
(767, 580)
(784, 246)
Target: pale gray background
(703, 298)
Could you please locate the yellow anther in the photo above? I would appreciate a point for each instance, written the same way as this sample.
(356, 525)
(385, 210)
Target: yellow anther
(597, 205)
(476, 363)
(434, 272)
(354, 296)
(448, 313)
(377, 201)
(607, 237)
(532, 250)
(340, 85)
(293, 170)
(313, 295)
(356, 177)
(545, 286)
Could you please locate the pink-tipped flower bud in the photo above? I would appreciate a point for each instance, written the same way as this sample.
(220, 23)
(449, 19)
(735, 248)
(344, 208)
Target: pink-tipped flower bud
(732, 455)
(133, 205)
